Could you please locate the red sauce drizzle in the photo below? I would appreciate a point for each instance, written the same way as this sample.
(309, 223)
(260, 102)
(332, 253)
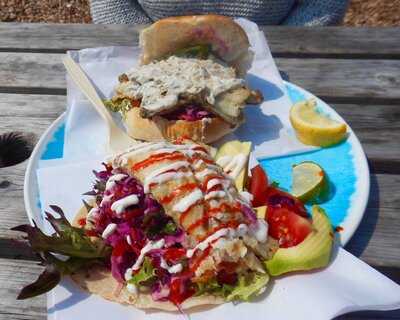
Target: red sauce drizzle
(198, 261)
(156, 158)
(184, 188)
(82, 222)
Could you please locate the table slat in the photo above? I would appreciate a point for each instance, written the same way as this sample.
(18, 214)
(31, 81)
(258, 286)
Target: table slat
(284, 41)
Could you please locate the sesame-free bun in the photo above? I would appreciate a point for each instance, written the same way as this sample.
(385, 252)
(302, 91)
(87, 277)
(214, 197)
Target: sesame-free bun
(227, 39)
(158, 128)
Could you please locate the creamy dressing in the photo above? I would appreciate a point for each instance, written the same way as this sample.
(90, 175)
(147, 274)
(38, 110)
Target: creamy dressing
(171, 269)
(215, 194)
(132, 288)
(129, 239)
(164, 177)
(247, 197)
(120, 205)
(259, 231)
(109, 230)
(160, 83)
(233, 165)
(151, 245)
(169, 167)
(186, 202)
(202, 174)
(113, 179)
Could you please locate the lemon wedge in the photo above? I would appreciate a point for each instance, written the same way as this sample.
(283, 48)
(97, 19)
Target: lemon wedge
(309, 182)
(314, 128)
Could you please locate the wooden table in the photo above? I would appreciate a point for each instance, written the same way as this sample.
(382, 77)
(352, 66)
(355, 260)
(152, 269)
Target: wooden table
(357, 71)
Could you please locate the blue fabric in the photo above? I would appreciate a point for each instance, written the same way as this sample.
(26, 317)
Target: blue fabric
(263, 12)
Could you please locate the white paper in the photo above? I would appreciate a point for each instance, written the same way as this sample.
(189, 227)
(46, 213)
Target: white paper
(346, 285)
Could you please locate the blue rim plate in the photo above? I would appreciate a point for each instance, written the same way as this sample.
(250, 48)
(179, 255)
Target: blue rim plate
(345, 164)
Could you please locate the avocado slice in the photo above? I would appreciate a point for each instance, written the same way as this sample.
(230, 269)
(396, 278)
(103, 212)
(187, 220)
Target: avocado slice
(314, 252)
(234, 148)
(261, 212)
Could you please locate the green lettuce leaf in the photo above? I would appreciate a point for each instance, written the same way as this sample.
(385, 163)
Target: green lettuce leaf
(247, 287)
(77, 248)
(118, 105)
(67, 240)
(146, 274)
(201, 51)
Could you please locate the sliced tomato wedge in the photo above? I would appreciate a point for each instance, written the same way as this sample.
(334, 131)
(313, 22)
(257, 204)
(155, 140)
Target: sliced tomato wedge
(258, 186)
(287, 227)
(174, 254)
(280, 199)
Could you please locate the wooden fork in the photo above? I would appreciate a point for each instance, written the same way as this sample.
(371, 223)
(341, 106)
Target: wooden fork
(118, 139)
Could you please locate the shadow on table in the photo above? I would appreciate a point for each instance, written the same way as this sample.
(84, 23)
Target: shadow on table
(363, 235)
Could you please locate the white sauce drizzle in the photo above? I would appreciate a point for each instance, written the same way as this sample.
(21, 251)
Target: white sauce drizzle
(258, 231)
(151, 245)
(215, 194)
(120, 205)
(132, 288)
(164, 177)
(116, 177)
(129, 239)
(171, 166)
(109, 230)
(233, 164)
(187, 201)
(200, 175)
(246, 196)
(171, 269)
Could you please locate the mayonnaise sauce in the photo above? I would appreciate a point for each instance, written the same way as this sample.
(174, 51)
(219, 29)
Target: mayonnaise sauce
(109, 230)
(215, 194)
(164, 177)
(120, 205)
(151, 245)
(171, 269)
(186, 202)
(159, 84)
(113, 179)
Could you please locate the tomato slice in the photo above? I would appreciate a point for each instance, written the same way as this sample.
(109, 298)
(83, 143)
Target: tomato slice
(280, 199)
(180, 291)
(174, 254)
(287, 227)
(258, 186)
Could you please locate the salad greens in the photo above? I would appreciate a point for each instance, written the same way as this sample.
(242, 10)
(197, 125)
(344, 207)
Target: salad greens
(68, 241)
(146, 274)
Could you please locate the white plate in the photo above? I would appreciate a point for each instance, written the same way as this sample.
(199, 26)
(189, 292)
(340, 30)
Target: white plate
(346, 212)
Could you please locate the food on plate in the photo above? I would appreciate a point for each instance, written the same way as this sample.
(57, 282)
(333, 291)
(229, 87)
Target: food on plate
(189, 82)
(312, 253)
(309, 182)
(233, 154)
(167, 228)
(315, 128)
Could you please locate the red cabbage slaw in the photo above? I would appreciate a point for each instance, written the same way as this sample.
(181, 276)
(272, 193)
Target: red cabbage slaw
(189, 113)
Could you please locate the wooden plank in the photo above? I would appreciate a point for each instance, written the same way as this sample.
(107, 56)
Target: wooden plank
(14, 274)
(284, 41)
(345, 79)
(12, 309)
(378, 128)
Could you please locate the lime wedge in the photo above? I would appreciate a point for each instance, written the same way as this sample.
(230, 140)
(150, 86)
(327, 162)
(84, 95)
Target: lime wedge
(309, 182)
(314, 128)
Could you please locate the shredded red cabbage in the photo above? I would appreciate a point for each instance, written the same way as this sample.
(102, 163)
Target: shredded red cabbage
(189, 113)
(135, 226)
(249, 213)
